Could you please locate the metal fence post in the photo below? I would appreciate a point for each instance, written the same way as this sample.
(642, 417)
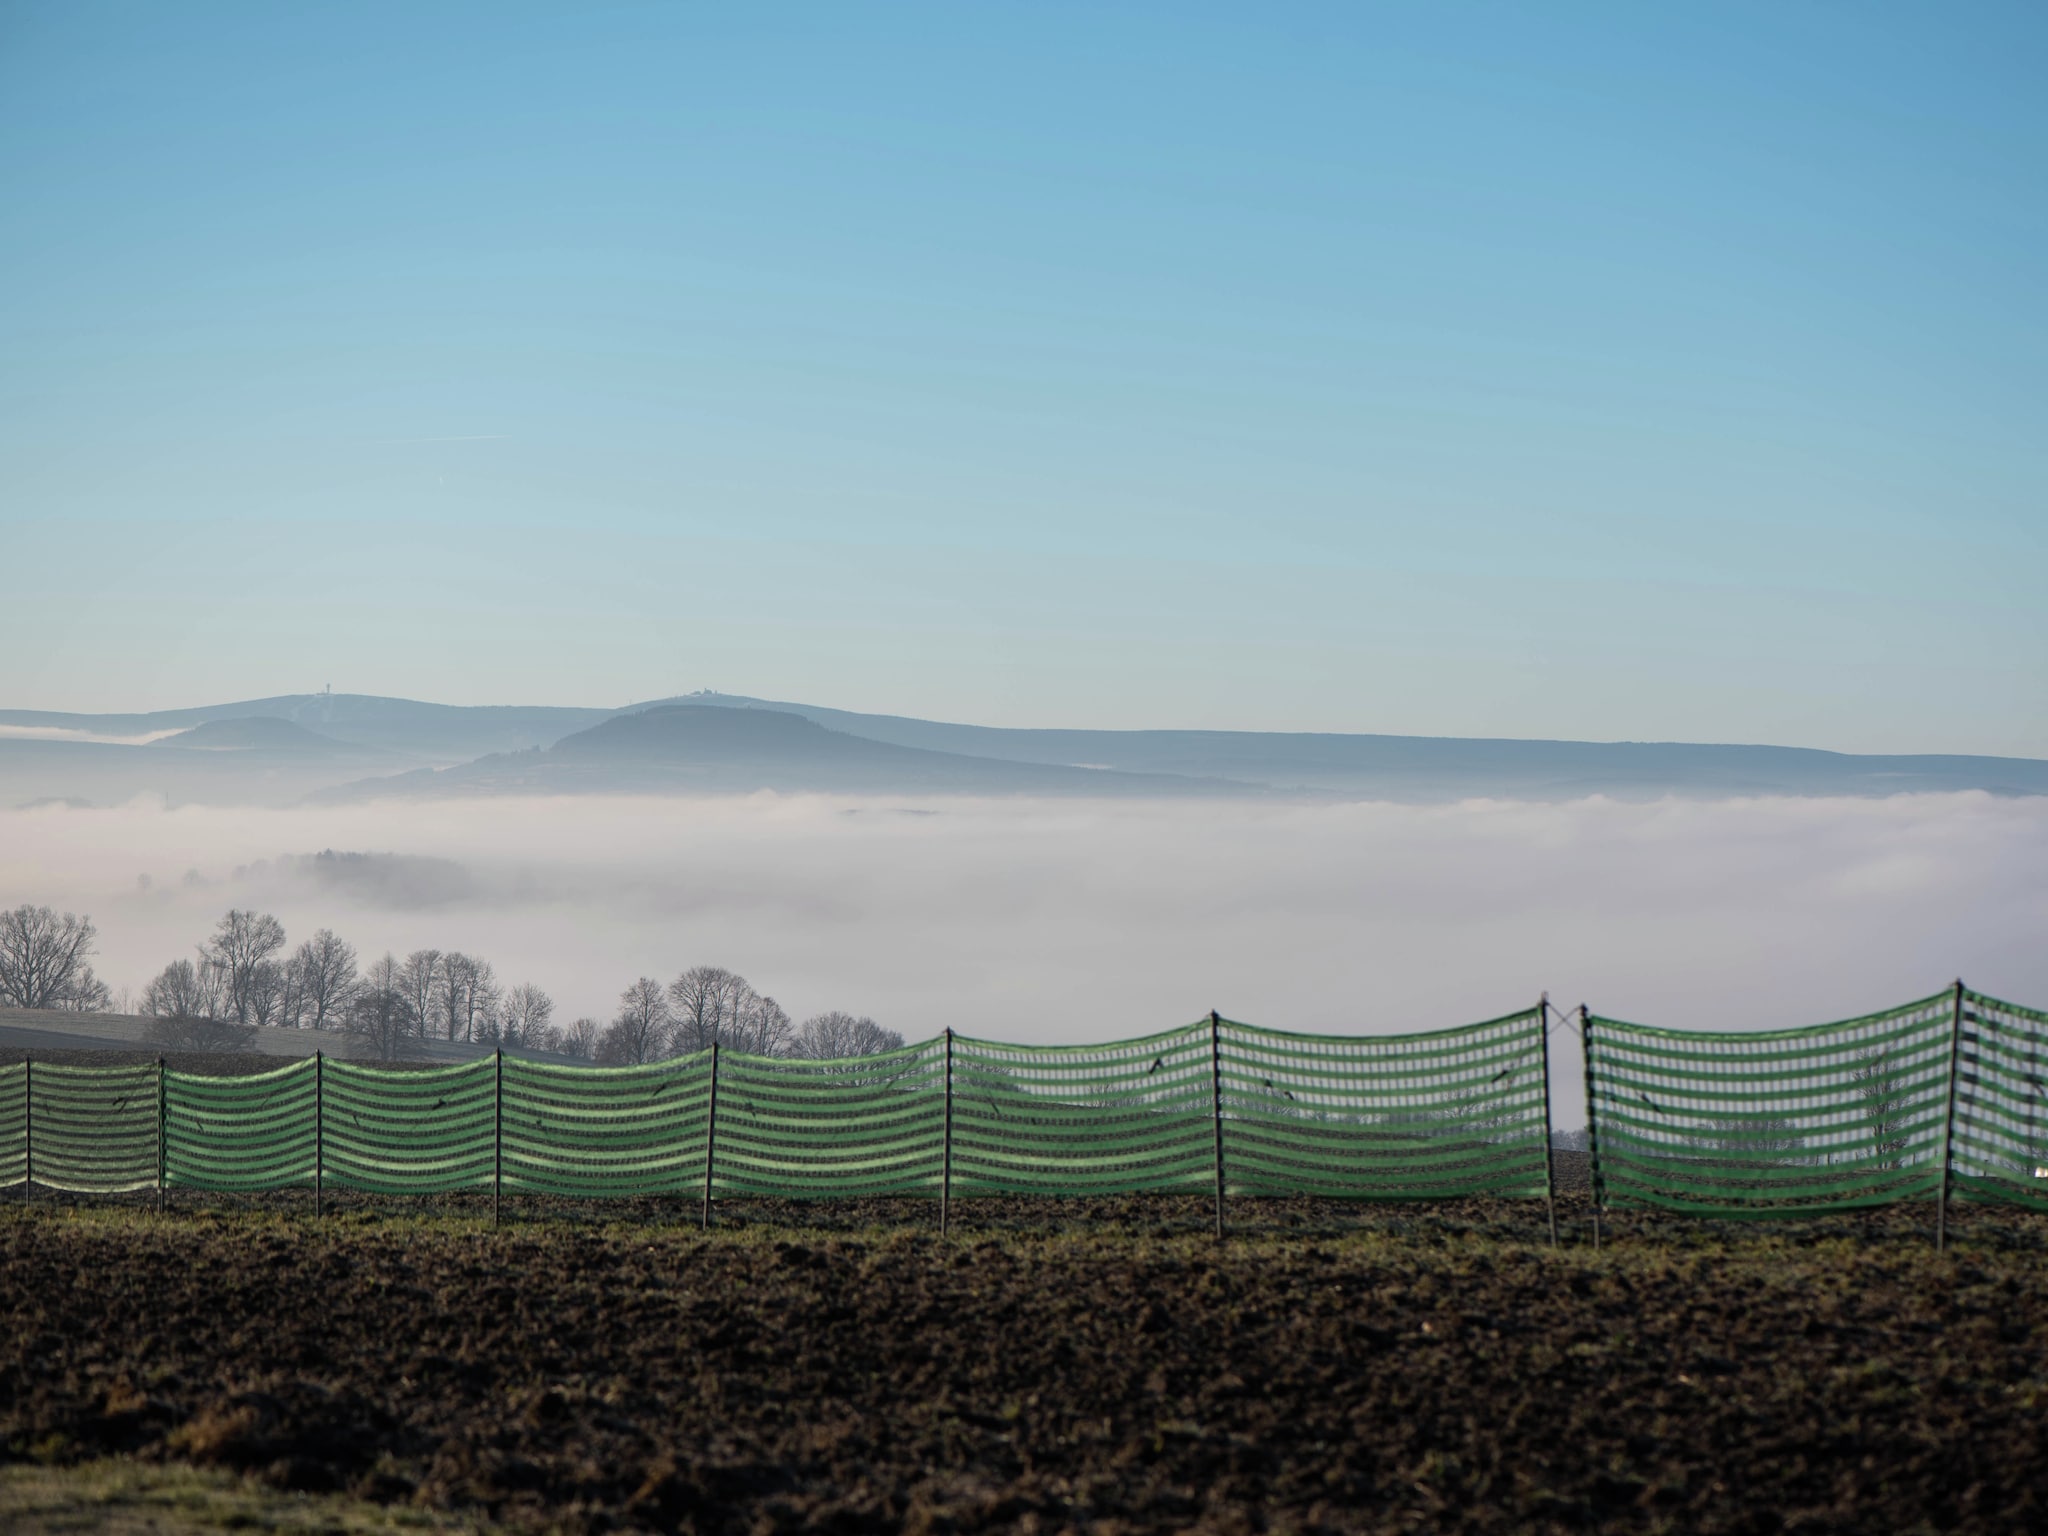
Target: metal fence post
(710, 1135)
(1549, 1171)
(497, 1134)
(319, 1130)
(946, 1152)
(162, 1114)
(28, 1128)
(1948, 1122)
(1216, 1100)
(1593, 1184)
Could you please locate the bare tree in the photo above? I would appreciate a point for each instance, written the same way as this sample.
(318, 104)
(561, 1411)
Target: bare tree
(187, 1009)
(380, 1017)
(703, 1001)
(182, 990)
(578, 1040)
(1886, 1107)
(243, 942)
(450, 986)
(88, 995)
(291, 994)
(830, 1036)
(481, 996)
(419, 979)
(762, 1028)
(525, 1017)
(711, 1004)
(43, 960)
(326, 977)
(640, 1029)
(264, 993)
(465, 995)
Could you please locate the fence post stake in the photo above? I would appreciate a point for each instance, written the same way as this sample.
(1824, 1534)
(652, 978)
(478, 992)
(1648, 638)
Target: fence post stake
(162, 1113)
(497, 1134)
(946, 1154)
(1216, 1100)
(1593, 1184)
(1948, 1122)
(710, 1136)
(28, 1128)
(1549, 1173)
(319, 1129)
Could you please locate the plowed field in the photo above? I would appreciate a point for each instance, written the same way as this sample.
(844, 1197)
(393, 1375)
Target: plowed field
(1101, 1367)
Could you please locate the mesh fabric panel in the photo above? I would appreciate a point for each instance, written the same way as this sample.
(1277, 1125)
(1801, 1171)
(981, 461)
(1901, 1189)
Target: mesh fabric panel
(2001, 1132)
(239, 1133)
(95, 1127)
(1771, 1124)
(1452, 1112)
(1084, 1120)
(402, 1132)
(606, 1131)
(13, 1124)
(856, 1125)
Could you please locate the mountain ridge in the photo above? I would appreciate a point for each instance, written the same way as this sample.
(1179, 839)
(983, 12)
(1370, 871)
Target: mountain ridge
(1347, 761)
(667, 748)
(420, 736)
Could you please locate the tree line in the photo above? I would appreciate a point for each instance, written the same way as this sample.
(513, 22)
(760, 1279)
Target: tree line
(244, 976)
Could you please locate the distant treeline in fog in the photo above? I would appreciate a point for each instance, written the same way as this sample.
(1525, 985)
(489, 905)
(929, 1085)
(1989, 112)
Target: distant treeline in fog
(244, 977)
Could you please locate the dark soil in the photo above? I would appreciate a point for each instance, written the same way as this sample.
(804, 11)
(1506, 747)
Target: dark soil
(1051, 1366)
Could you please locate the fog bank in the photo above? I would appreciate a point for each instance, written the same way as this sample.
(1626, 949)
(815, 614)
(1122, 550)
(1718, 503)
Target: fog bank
(1064, 920)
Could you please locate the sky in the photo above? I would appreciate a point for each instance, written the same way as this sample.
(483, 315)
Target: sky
(1613, 372)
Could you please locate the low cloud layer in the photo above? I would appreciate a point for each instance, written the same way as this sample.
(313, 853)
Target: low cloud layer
(1046, 921)
(65, 733)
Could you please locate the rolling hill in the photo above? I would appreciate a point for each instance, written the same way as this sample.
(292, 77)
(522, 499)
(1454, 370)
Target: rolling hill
(1441, 767)
(353, 746)
(698, 749)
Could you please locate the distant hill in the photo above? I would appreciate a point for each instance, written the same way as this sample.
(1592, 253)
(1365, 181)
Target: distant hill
(711, 750)
(351, 746)
(84, 774)
(1433, 768)
(261, 733)
(435, 733)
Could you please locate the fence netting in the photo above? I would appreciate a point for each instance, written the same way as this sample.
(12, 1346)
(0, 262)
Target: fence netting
(1421, 1116)
(421, 1132)
(95, 1129)
(13, 1124)
(1457, 1111)
(854, 1125)
(238, 1133)
(605, 1131)
(1950, 1089)
(1132, 1117)
(1780, 1122)
(2001, 1124)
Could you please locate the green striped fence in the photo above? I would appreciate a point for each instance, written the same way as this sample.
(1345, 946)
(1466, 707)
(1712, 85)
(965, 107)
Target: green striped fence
(1937, 1099)
(1944, 1098)
(1217, 1106)
(2000, 1146)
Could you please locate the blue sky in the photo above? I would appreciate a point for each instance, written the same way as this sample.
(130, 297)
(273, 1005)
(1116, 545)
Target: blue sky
(1593, 371)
